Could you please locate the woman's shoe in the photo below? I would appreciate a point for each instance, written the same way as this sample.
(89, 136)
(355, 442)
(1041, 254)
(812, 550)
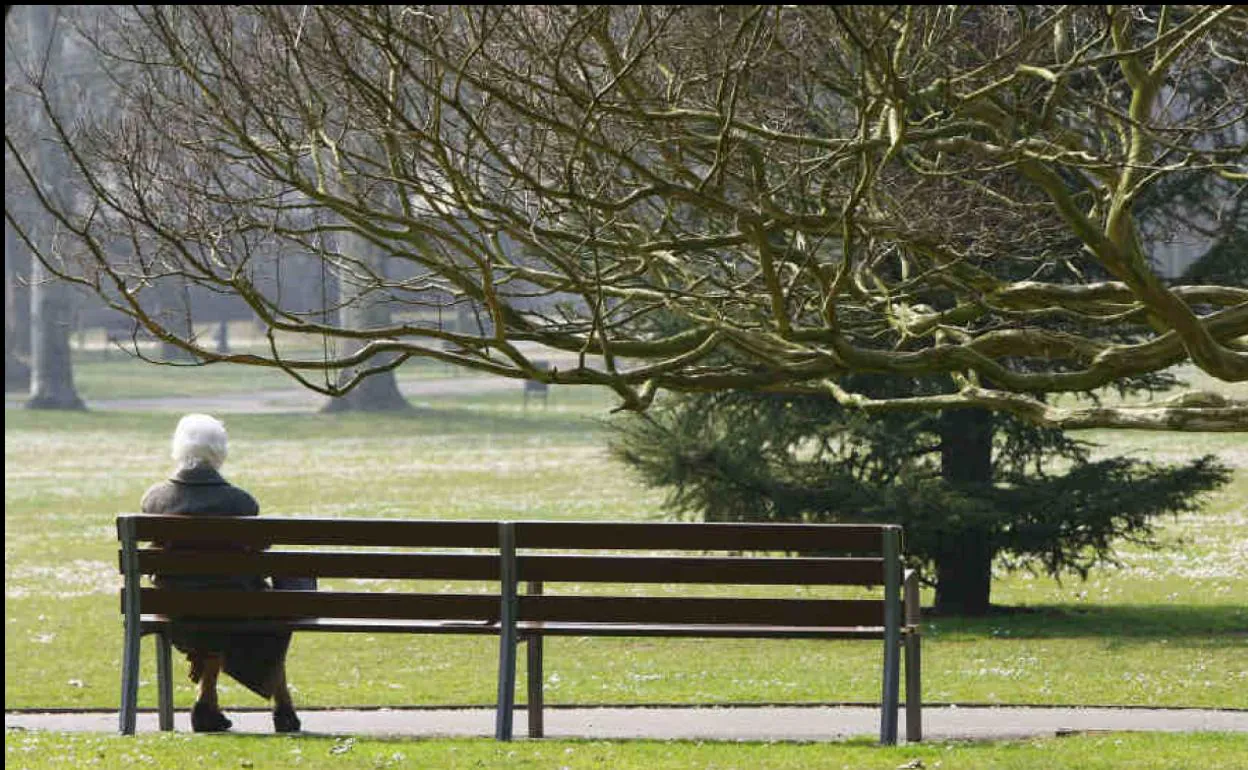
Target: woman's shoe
(285, 720)
(208, 719)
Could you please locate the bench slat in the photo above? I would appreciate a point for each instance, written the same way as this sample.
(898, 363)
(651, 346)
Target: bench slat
(830, 538)
(544, 608)
(724, 536)
(261, 532)
(461, 566)
(317, 604)
(545, 568)
(150, 623)
(685, 630)
(702, 570)
(721, 570)
(700, 610)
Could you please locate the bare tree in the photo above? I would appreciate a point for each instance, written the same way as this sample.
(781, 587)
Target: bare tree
(692, 198)
(51, 299)
(16, 314)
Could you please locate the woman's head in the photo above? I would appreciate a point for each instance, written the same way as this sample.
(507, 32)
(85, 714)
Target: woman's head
(199, 440)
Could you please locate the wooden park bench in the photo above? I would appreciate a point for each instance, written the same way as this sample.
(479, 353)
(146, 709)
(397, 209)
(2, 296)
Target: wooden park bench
(535, 556)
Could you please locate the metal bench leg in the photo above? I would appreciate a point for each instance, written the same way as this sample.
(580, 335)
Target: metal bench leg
(914, 663)
(164, 679)
(914, 695)
(504, 714)
(536, 678)
(128, 714)
(892, 636)
(890, 707)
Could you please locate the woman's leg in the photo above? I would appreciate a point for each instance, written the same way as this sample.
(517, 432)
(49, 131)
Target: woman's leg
(209, 672)
(206, 716)
(285, 720)
(280, 690)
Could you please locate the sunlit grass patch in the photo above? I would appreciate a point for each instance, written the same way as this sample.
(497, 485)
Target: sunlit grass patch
(104, 372)
(1140, 751)
(1165, 629)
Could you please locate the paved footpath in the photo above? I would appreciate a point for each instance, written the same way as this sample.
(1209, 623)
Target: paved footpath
(762, 723)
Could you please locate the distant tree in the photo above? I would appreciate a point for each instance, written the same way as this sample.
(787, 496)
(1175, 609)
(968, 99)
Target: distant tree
(364, 307)
(16, 314)
(51, 298)
(970, 488)
(817, 190)
(51, 371)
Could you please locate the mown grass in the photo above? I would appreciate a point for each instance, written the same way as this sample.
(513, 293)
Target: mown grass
(1167, 629)
(1138, 751)
(109, 374)
(103, 370)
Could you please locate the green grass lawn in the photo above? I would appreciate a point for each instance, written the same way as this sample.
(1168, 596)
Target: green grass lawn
(105, 371)
(1138, 751)
(103, 375)
(1169, 628)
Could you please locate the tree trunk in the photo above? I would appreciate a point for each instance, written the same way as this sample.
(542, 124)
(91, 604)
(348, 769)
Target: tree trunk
(16, 313)
(223, 336)
(378, 393)
(52, 373)
(964, 560)
(361, 308)
(964, 575)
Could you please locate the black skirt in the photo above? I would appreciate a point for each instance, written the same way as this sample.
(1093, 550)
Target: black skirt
(251, 659)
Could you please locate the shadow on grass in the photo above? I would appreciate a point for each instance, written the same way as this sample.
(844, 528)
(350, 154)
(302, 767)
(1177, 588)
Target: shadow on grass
(1217, 625)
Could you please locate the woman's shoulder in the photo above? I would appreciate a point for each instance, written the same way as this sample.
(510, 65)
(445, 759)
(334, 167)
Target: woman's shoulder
(156, 497)
(246, 504)
(218, 499)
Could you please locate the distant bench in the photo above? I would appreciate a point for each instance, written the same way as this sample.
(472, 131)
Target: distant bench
(536, 555)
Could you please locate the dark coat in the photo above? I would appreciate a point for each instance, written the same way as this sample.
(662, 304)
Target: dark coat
(253, 658)
(201, 491)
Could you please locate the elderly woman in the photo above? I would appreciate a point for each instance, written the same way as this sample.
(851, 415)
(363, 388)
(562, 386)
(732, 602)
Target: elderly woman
(257, 661)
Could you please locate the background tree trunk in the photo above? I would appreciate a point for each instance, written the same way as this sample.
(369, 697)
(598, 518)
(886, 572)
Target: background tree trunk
(365, 309)
(52, 373)
(223, 336)
(964, 561)
(16, 313)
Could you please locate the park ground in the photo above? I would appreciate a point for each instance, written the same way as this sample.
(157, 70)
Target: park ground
(1166, 629)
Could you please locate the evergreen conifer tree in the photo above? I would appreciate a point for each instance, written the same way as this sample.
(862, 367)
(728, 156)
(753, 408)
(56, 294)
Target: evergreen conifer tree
(972, 489)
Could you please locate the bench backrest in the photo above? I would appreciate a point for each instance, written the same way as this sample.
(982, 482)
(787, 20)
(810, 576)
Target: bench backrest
(539, 554)
(727, 554)
(199, 552)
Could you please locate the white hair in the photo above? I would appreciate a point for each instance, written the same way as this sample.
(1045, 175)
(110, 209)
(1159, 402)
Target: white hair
(199, 439)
